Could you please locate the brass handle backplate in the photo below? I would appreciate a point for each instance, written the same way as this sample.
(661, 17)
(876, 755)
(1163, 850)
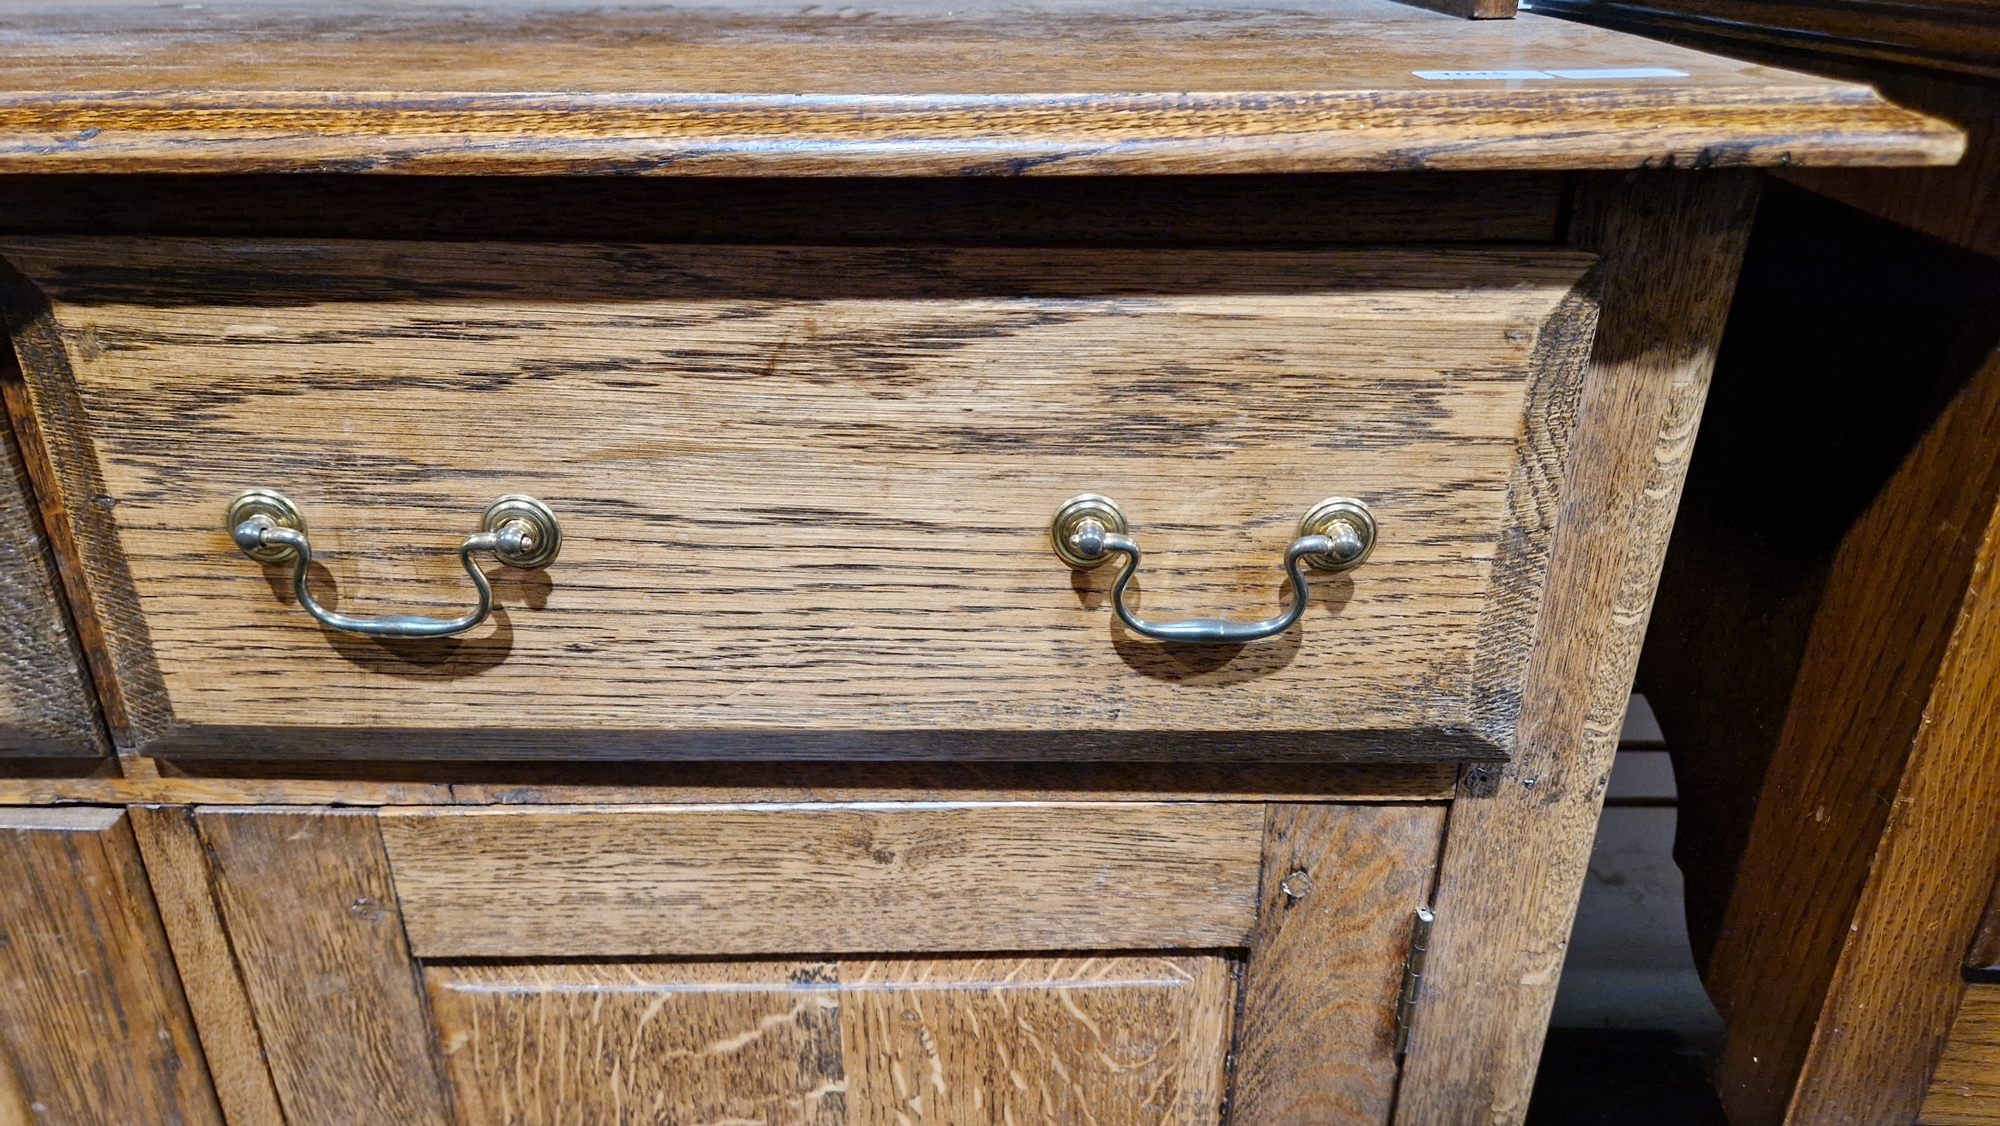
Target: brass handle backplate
(519, 531)
(1335, 535)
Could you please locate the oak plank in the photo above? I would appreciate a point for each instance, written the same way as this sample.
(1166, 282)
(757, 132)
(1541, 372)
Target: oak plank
(1315, 1041)
(13, 1104)
(851, 561)
(1121, 1041)
(1670, 247)
(896, 87)
(46, 706)
(590, 1044)
(91, 1009)
(704, 881)
(177, 869)
(1871, 855)
(1965, 1088)
(312, 916)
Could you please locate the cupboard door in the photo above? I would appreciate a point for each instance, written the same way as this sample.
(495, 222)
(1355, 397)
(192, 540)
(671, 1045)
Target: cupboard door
(92, 1018)
(884, 964)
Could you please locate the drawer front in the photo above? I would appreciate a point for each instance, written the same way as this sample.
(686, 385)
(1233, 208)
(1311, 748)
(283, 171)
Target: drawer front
(805, 494)
(945, 962)
(46, 706)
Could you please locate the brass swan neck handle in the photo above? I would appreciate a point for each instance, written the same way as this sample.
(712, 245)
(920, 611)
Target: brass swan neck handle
(520, 531)
(1336, 534)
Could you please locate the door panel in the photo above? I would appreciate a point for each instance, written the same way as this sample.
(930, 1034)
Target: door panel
(1109, 1041)
(312, 914)
(583, 1045)
(1316, 1041)
(902, 1042)
(91, 1010)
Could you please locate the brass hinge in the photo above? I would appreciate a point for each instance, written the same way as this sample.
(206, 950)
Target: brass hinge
(1413, 977)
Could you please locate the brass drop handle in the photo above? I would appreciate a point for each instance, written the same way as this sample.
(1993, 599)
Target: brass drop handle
(519, 531)
(1335, 535)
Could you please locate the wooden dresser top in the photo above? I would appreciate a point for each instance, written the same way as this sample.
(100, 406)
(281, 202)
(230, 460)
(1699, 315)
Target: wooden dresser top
(908, 87)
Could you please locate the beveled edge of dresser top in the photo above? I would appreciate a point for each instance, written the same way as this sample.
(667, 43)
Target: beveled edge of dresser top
(899, 87)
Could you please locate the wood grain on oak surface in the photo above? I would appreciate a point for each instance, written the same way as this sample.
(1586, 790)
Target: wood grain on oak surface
(13, 1103)
(1315, 1036)
(1965, 1089)
(596, 1043)
(1872, 853)
(91, 1010)
(311, 911)
(796, 880)
(178, 871)
(805, 492)
(46, 705)
(1519, 837)
(918, 87)
(1117, 1041)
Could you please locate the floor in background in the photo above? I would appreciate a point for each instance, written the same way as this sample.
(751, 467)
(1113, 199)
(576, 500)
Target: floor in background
(1622, 1077)
(1633, 1032)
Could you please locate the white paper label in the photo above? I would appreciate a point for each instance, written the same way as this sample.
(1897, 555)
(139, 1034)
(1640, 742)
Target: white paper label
(1515, 75)
(1623, 72)
(1479, 75)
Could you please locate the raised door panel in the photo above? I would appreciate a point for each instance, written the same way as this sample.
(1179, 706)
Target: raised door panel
(47, 709)
(994, 963)
(583, 1045)
(92, 1017)
(1118, 1040)
(805, 493)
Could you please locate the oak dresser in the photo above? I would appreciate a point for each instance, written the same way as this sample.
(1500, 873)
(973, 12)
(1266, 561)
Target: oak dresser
(893, 564)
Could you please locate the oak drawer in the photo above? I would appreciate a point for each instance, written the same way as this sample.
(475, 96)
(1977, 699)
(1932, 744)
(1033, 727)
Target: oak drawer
(805, 493)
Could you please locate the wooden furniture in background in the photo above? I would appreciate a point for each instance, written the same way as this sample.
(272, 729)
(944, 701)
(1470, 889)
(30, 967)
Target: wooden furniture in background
(1825, 650)
(806, 421)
